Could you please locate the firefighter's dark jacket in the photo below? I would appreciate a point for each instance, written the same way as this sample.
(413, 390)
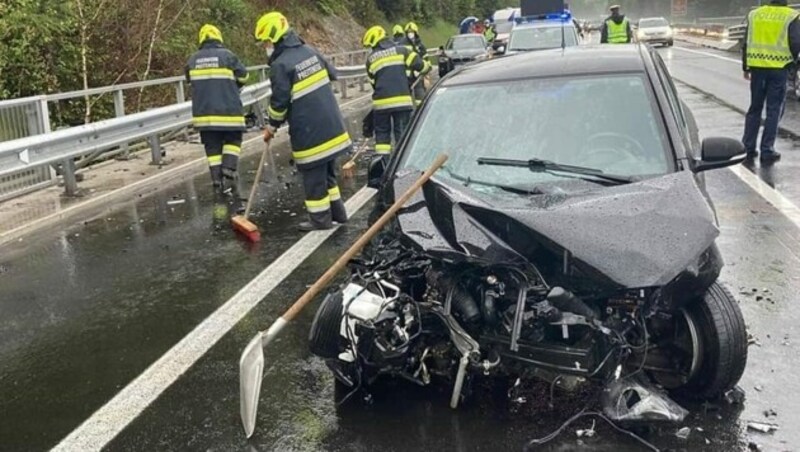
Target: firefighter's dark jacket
(387, 68)
(302, 95)
(216, 75)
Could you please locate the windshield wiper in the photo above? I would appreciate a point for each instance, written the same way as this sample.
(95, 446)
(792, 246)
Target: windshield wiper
(546, 166)
(509, 188)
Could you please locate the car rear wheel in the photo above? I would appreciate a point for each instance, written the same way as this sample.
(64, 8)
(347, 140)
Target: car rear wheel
(703, 353)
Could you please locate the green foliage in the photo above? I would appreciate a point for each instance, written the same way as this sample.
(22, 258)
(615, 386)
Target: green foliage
(41, 39)
(39, 52)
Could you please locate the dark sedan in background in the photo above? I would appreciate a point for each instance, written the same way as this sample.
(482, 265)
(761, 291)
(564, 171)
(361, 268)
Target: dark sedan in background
(460, 50)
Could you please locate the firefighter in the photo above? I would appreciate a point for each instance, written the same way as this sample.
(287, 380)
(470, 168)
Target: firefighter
(216, 75)
(616, 29)
(771, 48)
(392, 103)
(414, 44)
(302, 95)
(399, 34)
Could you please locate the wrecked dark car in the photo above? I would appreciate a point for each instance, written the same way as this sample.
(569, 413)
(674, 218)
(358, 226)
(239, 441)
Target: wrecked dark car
(568, 238)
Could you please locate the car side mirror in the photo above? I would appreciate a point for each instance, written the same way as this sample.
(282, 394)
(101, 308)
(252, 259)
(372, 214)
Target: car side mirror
(377, 166)
(720, 153)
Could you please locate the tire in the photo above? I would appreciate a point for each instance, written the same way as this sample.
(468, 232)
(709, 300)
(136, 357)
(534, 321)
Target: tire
(671, 43)
(324, 339)
(724, 344)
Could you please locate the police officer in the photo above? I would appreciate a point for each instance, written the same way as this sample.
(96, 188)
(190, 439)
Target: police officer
(616, 29)
(391, 99)
(302, 95)
(398, 34)
(414, 44)
(216, 75)
(772, 44)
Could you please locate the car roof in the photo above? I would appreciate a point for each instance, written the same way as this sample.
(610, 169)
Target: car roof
(543, 24)
(572, 61)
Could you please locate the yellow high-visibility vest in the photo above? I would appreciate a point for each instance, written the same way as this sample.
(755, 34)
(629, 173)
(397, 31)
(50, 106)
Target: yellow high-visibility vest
(768, 36)
(617, 33)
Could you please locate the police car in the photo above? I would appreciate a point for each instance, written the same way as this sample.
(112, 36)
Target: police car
(549, 31)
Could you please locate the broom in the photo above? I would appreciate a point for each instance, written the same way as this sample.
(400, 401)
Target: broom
(240, 223)
(349, 168)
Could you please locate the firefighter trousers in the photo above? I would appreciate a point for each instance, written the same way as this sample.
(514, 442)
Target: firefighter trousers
(222, 150)
(388, 123)
(323, 198)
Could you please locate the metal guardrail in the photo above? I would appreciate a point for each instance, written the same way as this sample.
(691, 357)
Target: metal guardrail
(61, 147)
(32, 147)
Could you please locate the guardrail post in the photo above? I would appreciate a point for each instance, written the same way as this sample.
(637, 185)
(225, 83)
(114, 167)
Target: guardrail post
(262, 75)
(68, 173)
(119, 111)
(44, 115)
(362, 84)
(344, 88)
(155, 149)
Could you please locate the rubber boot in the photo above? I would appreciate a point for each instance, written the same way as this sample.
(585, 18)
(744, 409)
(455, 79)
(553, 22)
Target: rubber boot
(338, 211)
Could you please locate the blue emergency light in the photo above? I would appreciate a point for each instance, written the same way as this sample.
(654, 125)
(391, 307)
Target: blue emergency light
(564, 16)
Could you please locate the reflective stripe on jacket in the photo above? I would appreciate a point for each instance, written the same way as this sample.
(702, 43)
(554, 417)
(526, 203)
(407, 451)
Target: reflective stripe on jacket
(768, 37)
(216, 75)
(387, 68)
(618, 32)
(302, 95)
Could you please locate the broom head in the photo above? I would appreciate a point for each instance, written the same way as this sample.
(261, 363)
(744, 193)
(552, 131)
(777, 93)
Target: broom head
(246, 228)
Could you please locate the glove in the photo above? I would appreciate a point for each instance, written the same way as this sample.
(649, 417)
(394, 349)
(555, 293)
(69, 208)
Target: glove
(269, 134)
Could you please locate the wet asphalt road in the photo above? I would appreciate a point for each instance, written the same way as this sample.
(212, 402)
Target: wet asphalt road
(86, 311)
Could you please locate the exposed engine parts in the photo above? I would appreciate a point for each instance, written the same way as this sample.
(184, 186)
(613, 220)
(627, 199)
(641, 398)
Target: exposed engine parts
(408, 315)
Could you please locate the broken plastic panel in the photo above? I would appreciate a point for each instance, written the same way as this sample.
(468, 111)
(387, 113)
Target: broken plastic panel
(631, 399)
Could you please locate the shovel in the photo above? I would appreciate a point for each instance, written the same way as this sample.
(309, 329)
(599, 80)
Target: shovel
(251, 364)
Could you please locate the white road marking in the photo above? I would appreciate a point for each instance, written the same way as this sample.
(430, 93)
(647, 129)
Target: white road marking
(771, 195)
(709, 54)
(774, 197)
(107, 422)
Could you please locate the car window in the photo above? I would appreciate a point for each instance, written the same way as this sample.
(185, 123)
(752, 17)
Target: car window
(604, 122)
(541, 38)
(652, 23)
(466, 43)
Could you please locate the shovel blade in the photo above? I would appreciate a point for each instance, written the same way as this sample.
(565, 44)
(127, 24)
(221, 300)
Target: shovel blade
(251, 372)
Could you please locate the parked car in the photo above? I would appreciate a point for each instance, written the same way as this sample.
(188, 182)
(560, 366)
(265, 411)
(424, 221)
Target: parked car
(460, 50)
(542, 35)
(655, 30)
(559, 242)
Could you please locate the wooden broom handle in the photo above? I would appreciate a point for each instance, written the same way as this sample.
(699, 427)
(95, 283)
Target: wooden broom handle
(254, 188)
(341, 263)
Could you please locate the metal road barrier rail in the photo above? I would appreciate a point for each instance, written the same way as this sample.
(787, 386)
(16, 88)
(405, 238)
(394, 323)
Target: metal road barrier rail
(62, 147)
(26, 158)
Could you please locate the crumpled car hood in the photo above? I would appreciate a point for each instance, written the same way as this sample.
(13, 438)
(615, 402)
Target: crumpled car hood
(637, 235)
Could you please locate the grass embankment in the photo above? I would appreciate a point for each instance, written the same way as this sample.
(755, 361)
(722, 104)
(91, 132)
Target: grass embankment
(433, 35)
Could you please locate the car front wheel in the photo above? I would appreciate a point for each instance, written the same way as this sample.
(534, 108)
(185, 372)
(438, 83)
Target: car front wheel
(702, 353)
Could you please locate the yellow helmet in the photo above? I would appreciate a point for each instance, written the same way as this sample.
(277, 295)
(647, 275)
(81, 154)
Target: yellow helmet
(373, 36)
(271, 27)
(209, 31)
(411, 26)
(397, 30)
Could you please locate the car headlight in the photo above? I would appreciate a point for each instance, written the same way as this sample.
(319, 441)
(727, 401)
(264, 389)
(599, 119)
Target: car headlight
(640, 34)
(670, 32)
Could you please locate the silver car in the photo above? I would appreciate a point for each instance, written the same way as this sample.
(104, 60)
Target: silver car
(655, 30)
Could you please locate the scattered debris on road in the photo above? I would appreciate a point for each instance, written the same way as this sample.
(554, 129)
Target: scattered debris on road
(762, 427)
(683, 433)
